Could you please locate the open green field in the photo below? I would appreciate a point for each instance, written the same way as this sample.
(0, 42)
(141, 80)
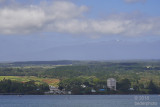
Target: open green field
(49, 81)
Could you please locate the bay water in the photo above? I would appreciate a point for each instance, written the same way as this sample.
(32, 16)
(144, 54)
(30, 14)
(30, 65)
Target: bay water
(79, 101)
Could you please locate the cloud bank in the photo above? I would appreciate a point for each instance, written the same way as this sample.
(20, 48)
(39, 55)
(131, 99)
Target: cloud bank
(67, 17)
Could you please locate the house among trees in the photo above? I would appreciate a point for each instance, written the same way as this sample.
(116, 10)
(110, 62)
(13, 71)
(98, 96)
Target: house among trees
(111, 83)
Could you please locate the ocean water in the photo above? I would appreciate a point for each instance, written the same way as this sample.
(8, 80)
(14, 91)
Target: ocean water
(80, 101)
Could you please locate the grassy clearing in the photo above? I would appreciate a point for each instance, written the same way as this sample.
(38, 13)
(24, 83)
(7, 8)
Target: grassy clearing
(50, 81)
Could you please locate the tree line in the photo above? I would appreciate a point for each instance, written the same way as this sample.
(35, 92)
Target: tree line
(93, 85)
(14, 87)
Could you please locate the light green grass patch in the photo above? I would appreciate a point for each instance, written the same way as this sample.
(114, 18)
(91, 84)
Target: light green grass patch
(49, 81)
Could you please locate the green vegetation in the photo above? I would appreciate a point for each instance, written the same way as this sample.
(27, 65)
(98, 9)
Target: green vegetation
(9, 87)
(81, 77)
(49, 81)
(85, 85)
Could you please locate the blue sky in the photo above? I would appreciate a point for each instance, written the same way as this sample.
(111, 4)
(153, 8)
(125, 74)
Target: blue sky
(79, 29)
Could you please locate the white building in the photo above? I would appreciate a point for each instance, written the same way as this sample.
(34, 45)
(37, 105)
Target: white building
(111, 83)
(54, 90)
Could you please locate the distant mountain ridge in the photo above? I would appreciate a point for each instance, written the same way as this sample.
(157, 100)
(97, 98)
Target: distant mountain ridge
(76, 62)
(111, 50)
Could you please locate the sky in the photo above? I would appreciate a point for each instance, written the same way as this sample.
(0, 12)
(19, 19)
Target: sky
(79, 30)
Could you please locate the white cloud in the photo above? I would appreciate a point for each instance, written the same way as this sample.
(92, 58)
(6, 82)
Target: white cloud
(35, 18)
(127, 27)
(134, 1)
(20, 20)
(66, 17)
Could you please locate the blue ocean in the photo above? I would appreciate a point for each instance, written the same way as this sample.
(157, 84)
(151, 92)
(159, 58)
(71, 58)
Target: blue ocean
(79, 101)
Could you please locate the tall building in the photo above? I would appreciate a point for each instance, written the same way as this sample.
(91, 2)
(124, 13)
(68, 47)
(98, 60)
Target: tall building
(111, 83)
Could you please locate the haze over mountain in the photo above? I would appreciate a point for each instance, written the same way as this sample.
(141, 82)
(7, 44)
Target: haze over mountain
(111, 50)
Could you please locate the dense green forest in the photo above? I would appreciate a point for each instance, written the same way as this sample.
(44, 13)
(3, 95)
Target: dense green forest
(15, 87)
(85, 85)
(142, 76)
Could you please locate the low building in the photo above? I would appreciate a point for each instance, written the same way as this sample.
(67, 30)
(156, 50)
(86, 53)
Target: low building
(131, 89)
(55, 90)
(93, 90)
(111, 83)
